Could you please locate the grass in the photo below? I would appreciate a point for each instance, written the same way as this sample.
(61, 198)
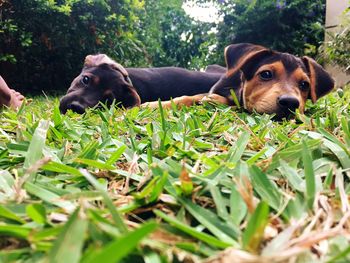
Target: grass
(202, 183)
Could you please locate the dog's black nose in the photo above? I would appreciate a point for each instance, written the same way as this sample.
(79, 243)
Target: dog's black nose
(287, 102)
(76, 107)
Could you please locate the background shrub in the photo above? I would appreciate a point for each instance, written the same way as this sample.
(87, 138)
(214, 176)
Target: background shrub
(337, 49)
(290, 26)
(43, 43)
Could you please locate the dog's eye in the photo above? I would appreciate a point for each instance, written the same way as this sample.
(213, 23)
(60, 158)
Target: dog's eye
(85, 80)
(265, 75)
(304, 85)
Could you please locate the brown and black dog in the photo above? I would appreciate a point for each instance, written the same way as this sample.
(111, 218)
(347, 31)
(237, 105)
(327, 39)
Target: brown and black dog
(265, 81)
(104, 80)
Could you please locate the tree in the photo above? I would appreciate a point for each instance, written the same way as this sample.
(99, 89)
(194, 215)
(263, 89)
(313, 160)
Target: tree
(289, 26)
(171, 37)
(43, 43)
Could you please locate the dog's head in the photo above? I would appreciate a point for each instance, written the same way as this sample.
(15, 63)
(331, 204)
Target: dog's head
(101, 80)
(272, 82)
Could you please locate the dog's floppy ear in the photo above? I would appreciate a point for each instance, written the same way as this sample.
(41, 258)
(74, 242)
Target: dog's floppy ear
(95, 60)
(321, 82)
(130, 98)
(242, 57)
(235, 53)
(122, 90)
(125, 94)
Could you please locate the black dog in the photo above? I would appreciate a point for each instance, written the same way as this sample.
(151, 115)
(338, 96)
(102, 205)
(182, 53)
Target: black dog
(104, 80)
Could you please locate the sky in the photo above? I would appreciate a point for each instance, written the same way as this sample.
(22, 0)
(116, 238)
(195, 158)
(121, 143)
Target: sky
(205, 12)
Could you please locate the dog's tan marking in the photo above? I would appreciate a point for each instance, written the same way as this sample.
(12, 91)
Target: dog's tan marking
(215, 98)
(179, 101)
(299, 75)
(262, 96)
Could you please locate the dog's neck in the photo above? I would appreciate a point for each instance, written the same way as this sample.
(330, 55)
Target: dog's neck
(231, 84)
(240, 91)
(240, 96)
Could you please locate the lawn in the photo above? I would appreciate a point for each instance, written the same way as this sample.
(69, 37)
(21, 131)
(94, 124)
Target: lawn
(201, 183)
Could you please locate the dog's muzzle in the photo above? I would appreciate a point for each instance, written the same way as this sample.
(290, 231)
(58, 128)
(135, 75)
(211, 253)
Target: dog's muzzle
(287, 104)
(67, 104)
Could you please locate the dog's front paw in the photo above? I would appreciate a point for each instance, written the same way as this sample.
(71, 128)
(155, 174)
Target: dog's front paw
(214, 98)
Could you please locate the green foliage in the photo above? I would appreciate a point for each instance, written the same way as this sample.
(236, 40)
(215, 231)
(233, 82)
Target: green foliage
(89, 188)
(171, 37)
(289, 26)
(336, 49)
(43, 43)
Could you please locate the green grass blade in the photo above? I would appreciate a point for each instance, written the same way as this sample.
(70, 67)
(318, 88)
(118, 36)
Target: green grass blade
(309, 176)
(36, 145)
(114, 212)
(240, 147)
(254, 232)
(341, 257)
(48, 196)
(219, 202)
(6, 184)
(118, 249)
(192, 231)
(37, 213)
(292, 176)
(208, 219)
(235, 99)
(61, 168)
(238, 208)
(15, 231)
(116, 155)
(267, 189)
(8, 214)
(94, 163)
(340, 153)
(69, 243)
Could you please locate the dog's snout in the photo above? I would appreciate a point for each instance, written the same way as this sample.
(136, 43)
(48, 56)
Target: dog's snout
(76, 107)
(288, 102)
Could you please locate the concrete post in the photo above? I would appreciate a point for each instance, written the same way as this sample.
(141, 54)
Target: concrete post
(334, 11)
